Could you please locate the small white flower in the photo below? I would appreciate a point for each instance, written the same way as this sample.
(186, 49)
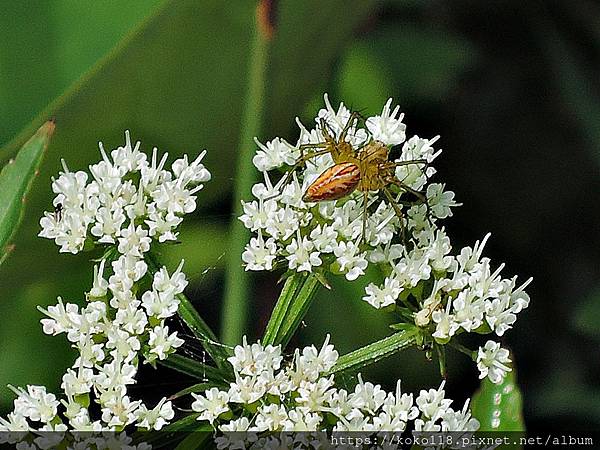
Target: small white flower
(77, 382)
(120, 411)
(211, 404)
(301, 256)
(432, 403)
(156, 418)
(259, 255)
(194, 172)
(134, 241)
(380, 297)
(312, 363)
(35, 403)
(493, 362)
(367, 396)
(274, 154)
(100, 285)
(440, 201)
(162, 343)
(388, 127)
(241, 424)
(351, 262)
(323, 238)
(271, 417)
(254, 359)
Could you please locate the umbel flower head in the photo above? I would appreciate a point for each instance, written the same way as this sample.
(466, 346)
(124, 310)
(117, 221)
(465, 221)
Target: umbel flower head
(126, 204)
(441, 292)
(269, 394)
(125, 200)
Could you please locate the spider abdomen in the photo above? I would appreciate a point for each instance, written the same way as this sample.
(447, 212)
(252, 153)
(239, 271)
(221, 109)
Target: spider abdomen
(334, 183)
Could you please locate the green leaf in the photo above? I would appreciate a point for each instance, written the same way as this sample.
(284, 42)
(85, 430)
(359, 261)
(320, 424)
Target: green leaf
(586, 317)
(298, 309)
(292, 284)
(376, 66)
(291, 307)
(195, 388)
(499, 407)
(374, 352)
(306, 48)
(194, 369)
(576, 84)
(16, 179)
(172, 433)
(196, 437)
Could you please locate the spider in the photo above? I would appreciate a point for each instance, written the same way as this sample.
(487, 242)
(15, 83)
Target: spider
(366, 168)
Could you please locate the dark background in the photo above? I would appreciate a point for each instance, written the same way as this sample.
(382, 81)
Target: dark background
(511, 87)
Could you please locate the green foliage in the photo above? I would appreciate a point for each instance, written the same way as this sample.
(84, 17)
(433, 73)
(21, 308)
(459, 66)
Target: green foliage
(499, 407)
(410, 62)
(174, 432)
(586, 318)
(16, 179)
(177, 78)
(195, 369)
(296, 296)
(375, 352)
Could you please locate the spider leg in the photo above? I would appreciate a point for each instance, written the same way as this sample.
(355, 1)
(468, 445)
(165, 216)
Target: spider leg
(394, 204)
(420, 195)
(364, 222)
(391, 164)
(303, 159)
(303, 147)
(353, 118)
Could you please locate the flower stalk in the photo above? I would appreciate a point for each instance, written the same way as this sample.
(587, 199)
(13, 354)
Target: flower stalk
(236, 300)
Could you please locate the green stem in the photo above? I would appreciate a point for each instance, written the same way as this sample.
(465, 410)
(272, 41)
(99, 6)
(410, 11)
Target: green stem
(194, 369)
(375, 352)
(303, 300)
(236, 301)
(461, 348)
(292, 284)
(293, 303)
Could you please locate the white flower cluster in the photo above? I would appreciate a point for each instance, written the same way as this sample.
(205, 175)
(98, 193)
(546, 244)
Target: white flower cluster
(122, 323)
(270, 395)
(127, 201)
(443, 293)
(309, 236)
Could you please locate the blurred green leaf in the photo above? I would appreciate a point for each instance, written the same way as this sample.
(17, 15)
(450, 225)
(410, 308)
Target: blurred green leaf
(178, 79)
(587, 315)
(171, 433)
(499, 407)
(412, 63)
(576, 84)
(567, 394)
(310, 37)
(175, 79)
(16, 179)
(195, 439)
(54, 43)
